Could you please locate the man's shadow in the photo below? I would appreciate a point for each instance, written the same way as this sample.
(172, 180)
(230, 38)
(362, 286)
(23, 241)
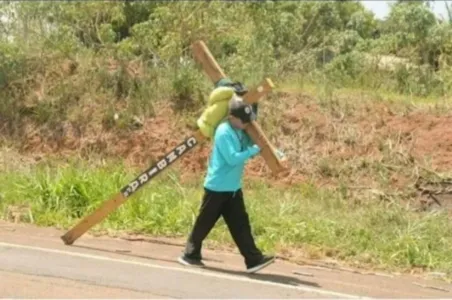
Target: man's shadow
(276, 278)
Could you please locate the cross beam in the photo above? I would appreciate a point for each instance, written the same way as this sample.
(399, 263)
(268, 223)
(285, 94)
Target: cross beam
(171, 157)
(204, 57)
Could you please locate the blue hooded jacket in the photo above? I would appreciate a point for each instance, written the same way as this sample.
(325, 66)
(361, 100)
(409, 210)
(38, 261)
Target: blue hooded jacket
(232, 148)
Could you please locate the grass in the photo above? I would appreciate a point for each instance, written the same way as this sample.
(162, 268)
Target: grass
(305, 219)
(363, 93)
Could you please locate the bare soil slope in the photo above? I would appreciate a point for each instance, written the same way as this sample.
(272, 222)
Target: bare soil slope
(359, 143)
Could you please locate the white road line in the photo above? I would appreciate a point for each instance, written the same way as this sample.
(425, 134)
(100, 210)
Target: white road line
(191, 271)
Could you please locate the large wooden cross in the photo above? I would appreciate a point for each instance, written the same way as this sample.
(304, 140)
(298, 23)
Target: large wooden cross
(212, 69)
(215, 73)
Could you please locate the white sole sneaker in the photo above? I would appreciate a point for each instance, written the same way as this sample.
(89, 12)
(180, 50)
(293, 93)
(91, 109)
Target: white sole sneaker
(184, 262)
(261, 266)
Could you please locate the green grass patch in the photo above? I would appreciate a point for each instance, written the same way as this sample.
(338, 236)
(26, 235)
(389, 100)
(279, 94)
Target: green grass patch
(303, 217)
(319, 89)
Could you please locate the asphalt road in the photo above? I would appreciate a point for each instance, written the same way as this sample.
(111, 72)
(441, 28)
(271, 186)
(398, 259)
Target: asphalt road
(34, 263)
(50, 273)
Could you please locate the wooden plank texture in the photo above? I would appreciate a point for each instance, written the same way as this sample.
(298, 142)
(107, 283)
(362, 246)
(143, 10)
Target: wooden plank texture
(208, 63)
(261, 90)
(203, 56)
(111, 204)
(96, 217)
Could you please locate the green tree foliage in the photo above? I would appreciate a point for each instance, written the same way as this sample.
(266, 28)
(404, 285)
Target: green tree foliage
(133, 52)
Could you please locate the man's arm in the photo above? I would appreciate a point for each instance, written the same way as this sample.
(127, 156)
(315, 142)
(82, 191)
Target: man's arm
(247, 141)
(225, 143)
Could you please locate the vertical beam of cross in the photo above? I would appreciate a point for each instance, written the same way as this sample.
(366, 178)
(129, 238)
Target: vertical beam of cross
(210, 66)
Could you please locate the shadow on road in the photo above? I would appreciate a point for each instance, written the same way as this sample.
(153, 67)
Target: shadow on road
(277, 278)
(137, 255)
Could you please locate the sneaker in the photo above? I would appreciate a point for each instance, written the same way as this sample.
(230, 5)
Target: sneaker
(264, 262)
(190, 262)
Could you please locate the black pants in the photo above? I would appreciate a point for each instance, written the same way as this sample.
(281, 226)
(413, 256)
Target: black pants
(231, 206)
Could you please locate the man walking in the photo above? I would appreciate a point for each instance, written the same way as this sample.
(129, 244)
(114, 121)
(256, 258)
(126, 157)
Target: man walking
(223, 194)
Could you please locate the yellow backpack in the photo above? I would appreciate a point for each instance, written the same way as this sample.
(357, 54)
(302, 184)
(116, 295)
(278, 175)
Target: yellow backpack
(216, 111)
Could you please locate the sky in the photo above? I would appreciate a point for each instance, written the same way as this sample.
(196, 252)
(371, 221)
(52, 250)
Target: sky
(381, 8)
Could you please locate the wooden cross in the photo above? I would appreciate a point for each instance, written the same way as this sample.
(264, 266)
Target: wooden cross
(213, 70)
(204, 57)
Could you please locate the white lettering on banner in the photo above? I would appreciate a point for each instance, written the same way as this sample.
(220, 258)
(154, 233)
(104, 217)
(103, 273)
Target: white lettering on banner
(171, 157)
(191, 142)
(144, 178)
(134, 185)
(181, 149)
(162, 164)
(152, 171)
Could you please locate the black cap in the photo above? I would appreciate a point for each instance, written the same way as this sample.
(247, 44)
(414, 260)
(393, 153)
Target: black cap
(239, 109)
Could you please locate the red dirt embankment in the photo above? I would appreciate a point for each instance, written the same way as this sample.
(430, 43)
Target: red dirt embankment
(308, 133)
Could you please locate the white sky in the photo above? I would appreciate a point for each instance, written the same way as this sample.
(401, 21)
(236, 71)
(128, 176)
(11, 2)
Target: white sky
(381, 8)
